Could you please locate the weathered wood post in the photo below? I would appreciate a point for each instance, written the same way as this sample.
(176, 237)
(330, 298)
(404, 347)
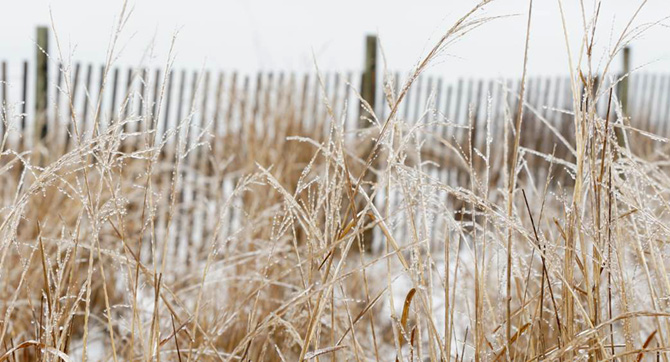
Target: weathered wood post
(368, 94)
(623, 93)
(41, 83)
(625, 81)
(369, 79)
(24, 106)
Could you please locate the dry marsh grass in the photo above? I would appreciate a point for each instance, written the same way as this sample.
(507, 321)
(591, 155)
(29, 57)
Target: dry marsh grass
(292, 242)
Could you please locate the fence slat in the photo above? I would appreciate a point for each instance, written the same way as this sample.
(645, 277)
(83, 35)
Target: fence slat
(232, 105)
(155, 100)
(86, 100)
(24, 105)
(112, 105)
(666, 112)
(216, 118)
(54, 136)
(101, 96)
(41, 83)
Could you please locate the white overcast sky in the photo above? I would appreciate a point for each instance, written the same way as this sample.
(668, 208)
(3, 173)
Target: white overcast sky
(282, 35)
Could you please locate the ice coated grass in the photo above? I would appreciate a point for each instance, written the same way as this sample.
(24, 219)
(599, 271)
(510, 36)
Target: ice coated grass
(521, 256)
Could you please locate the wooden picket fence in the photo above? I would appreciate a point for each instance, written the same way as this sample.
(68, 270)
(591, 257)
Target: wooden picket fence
(135, 92)
(49, 103)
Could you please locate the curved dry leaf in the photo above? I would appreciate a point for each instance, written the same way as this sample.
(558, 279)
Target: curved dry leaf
(405, 310)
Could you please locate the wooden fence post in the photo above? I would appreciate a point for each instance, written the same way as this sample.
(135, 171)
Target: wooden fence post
(41, 82)
(369, 79)
(24, 106)
(368, 90)
(625, 81)
(623, 94)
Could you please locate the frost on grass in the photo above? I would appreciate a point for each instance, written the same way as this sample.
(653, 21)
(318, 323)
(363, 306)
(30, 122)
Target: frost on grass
(305, 242)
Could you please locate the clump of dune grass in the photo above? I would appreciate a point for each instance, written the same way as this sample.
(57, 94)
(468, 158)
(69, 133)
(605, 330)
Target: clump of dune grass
(329, 243)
